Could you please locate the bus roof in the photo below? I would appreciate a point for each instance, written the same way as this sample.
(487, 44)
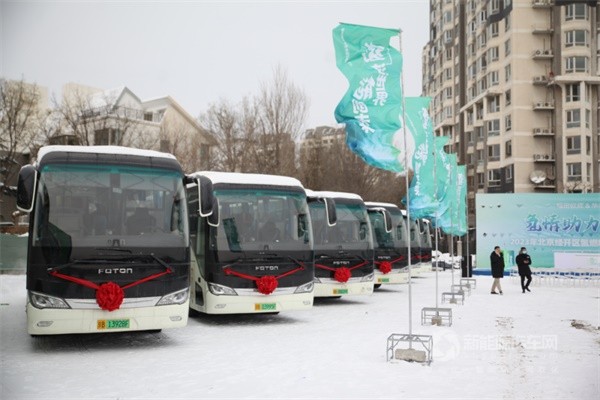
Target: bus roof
(333, 195)
(378, 204)
(102, 150)
(252, 179)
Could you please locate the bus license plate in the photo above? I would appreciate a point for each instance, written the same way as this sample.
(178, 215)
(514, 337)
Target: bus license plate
(265, 307)
(340, 291)
(383, 280)
(113, 324)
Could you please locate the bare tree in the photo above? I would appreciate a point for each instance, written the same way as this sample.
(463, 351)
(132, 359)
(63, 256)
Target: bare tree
(224, 122)
(19, 120)
(335, 167)
(281, 110)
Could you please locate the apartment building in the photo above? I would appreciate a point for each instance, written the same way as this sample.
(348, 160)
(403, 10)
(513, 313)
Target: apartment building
(515, 85)
(118, 116)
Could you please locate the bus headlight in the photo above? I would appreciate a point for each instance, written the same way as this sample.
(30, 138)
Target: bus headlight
(219, 290)
(39, 300)
(178, 297)
(368, 278)
(306, 288)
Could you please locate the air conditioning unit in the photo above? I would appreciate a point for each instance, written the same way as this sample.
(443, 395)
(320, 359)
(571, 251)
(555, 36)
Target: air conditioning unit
(537, 157)
(546, 130)
(536, 131)
(538, 52)
(547, 51)
(547, 104)
(538, 78)
(539, 104)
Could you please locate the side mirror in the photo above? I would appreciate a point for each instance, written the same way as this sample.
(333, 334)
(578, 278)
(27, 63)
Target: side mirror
(26, 188)
(331, 211)
(206, 198)
(387, 218)
(213, 217)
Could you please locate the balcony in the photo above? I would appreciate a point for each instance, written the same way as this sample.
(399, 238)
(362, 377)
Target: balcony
(547, 157)
(547, 184)
(542, 30)
(541, 54)
(543, 132)
(540, 80)
(542, 3)
(543, 105)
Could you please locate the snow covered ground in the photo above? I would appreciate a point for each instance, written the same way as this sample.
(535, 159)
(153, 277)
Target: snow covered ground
(539, 345)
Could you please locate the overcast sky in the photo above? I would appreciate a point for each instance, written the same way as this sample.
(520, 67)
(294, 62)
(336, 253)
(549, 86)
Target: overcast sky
(198, 51)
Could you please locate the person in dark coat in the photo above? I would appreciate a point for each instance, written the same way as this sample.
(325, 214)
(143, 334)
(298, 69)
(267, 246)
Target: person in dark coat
(497, 263)
(523, 262)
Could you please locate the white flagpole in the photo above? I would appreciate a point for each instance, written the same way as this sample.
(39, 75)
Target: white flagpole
(404, 130)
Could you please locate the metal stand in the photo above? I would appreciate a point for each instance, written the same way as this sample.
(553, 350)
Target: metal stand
(464, 289)
(436, 316)
(410, 354)
(469, 282)
(453, 297)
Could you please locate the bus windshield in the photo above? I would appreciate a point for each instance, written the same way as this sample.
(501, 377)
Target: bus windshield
(261, 219)
(109, 206)
(389, 240)
(351, 232)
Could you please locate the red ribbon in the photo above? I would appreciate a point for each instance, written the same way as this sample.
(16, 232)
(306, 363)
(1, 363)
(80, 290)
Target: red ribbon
(386, 266)
(344, 274)
(265, 284)
(109, 296)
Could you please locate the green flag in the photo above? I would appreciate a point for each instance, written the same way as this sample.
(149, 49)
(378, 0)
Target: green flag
(371, 109)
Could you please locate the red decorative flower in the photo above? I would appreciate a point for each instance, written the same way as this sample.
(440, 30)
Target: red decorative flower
(385, 267)
(267, 284)
(109, 296)
(342, 274)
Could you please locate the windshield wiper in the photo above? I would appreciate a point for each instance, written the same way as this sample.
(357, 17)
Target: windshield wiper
(114, 249)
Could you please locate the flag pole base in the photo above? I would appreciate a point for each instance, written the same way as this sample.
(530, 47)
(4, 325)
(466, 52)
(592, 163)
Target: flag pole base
(424, 342)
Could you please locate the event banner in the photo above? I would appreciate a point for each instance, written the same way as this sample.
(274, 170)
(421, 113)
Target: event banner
(560, 231)
(371, 109)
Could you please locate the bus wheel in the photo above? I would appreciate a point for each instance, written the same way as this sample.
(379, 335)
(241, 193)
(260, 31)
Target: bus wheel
(377, 286)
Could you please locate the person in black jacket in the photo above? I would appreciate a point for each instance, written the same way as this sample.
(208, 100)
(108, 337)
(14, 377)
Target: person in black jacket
(523, 262)
(497, 263)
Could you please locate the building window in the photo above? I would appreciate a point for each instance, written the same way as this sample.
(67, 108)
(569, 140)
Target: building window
(480, 180)
(480, 157)
(573, 92)
(507, 48)
(493, 177)
(576, 11)
(493, 78)
(494, 104)
(573, 118)
(508, 148)
(577, 64)
(447, 74)
(576, 38)
(587, 118)
(493, 29)
(588, 145)
(147, 116)
(470, 137)
(507, 23)
(508, 122)
(573, 172)
(509, 173)
(493, 127)
(573, 144)
(507, 98)
(494, 152)
(493, 54)
(447, 17)
(507, 73)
